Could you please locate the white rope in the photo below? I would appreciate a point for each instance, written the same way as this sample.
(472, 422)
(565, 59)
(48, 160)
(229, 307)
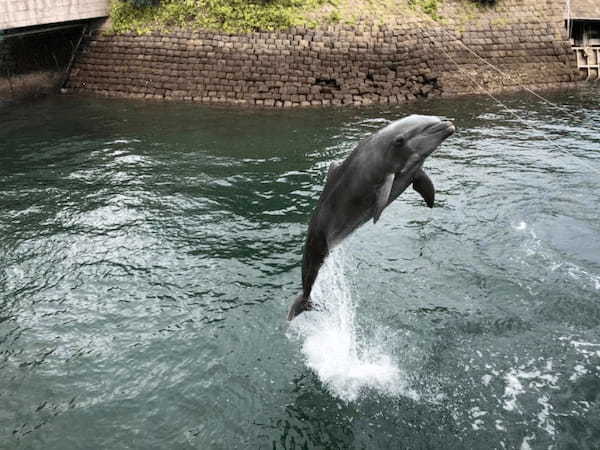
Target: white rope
(506, 108)
(504, 74)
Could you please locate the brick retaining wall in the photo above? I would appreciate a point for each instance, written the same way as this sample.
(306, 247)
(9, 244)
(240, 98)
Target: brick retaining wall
(334, 66)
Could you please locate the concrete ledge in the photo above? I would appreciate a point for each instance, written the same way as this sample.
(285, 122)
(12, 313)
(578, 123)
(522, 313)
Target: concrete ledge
(25, 13)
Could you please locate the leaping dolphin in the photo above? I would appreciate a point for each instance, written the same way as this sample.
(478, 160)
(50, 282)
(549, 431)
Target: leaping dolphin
(377, 171)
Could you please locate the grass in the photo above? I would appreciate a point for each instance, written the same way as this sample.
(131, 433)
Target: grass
(429, 7)
(237, 16)
(252, 15)
(224, 15)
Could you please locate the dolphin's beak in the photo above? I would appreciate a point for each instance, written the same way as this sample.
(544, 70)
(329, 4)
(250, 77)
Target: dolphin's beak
(450, 127)
(443, 128)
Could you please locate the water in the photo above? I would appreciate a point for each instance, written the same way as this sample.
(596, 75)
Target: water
(149, 253)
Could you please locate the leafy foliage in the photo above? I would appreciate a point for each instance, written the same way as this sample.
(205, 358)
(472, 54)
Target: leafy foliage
(429, 7)
(226, 15)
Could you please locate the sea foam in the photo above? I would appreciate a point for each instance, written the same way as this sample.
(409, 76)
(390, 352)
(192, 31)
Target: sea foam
(349, 361)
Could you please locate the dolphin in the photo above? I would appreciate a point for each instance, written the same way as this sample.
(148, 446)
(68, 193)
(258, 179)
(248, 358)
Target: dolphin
(376, 172)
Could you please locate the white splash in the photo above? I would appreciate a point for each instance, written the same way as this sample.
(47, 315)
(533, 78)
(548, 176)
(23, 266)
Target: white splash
(545, 421)
(512, 389)
(521, 226)
(344, 358)
(123, 141)
(525, 444)
(486, 379)
(476, 413)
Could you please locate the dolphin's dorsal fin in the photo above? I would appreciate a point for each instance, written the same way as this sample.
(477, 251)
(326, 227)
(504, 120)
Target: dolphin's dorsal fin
(424, 186)
(383, 195)
(332, 170)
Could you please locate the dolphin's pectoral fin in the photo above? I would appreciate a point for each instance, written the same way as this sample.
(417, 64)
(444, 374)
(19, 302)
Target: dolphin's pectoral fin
(383, 195)
(424, 186)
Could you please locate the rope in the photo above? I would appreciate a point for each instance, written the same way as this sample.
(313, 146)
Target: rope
(544, 99)
(504, 74)
(506, 108)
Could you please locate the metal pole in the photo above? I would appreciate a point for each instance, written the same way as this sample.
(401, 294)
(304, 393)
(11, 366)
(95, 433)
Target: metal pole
(68, 70)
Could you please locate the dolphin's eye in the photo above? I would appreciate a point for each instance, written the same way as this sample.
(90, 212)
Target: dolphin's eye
(399, 141)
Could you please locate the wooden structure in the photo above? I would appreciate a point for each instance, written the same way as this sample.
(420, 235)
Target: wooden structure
(583, 25)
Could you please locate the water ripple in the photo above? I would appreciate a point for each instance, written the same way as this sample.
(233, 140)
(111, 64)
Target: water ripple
(148, 254)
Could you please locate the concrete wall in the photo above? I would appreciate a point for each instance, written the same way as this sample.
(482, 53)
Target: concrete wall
(395, 63)
(24, 13)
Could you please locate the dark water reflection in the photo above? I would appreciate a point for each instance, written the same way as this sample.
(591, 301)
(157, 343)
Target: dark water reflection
(148, 253)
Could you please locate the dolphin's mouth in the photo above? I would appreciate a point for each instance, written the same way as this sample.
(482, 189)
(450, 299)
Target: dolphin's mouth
(449, 126)
(444, 127)
(437, 133)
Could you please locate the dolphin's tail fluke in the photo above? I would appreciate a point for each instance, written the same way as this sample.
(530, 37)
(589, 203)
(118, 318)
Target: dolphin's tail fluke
(300, 305)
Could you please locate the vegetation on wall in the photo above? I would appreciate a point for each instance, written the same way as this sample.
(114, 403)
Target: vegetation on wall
(143, 16)
(429, 7)
(228, 15)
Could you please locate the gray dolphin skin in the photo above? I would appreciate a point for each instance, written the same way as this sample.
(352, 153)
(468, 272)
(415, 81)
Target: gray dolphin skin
(357, 190)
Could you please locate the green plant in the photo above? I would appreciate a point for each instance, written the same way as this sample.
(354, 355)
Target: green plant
(127, 17)
(335, 17)
(225, 15)
(429, 7)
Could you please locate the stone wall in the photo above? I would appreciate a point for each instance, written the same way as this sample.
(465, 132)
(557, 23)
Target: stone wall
(393, 63)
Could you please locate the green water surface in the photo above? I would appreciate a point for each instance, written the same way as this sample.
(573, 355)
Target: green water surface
(149, 253)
